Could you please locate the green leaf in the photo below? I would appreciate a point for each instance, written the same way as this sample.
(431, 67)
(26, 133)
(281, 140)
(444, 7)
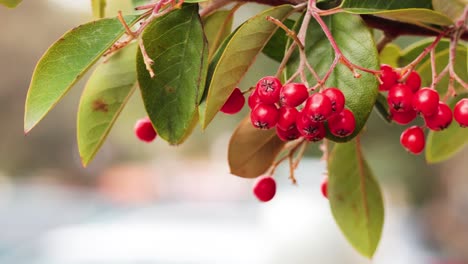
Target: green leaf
(237, 57)
(65, 62)
(444, 144)
(451, 8)
(355, 197)
(217, 27)
(381, 106)
(412, 11)
(411, 52)
(99, 8)
(276, 47)
(390, 55)
(105, 95)
(252, 151)
(179, 49)
(357, 44)
(10, 3)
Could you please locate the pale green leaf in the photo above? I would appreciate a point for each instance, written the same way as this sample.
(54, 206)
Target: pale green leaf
(217, 27)
(451, 8)
(390, 55)
(99, 8)
(10, 3)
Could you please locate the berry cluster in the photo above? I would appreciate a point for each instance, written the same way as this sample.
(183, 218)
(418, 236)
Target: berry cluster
(406, 100)
(297, 114)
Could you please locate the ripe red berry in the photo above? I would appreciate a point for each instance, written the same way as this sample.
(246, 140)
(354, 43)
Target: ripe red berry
(388, 76)
(264, 116)
(413, 140)
(234, 103)
(287, 117)
(253, 100)
(441, 119)
(144, 130)
(426, 101)
(264, 188)
(400, 98)
(320, 133)
(293, 94)
(413, 81)
(268, 89)
(337, 99)
(324, 188)
(342, 124)
(318, 107)
(403, 118)
(288, 135)
(307, 127)
(460, 112)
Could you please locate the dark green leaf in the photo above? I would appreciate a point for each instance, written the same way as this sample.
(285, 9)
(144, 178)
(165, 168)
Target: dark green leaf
(444, 144)
(275, 48)
(105, 95)
(10, 3)
(179, 49)
(355, 197)
(252, 151)
(236, 58)
(66, 61)
(357, 44)
(217, 27)
(99, 8)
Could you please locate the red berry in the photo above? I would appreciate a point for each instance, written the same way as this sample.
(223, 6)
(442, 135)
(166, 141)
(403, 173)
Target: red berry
(293, 94)
(288, 135)
(144, 130)
(287, 117)
(337, 99)
(268, 89)
(413, 81)
(307, 127)
(441, 119)
(403, 118)
(413, 140)
(460, 112)
(318, 107)
(234, 103)
(264, 188)
(342, 124)
(320, 133)
(253, 100)
(388, 76)
(426, 101)
(264, 116)
(324, 188)
(400, 98)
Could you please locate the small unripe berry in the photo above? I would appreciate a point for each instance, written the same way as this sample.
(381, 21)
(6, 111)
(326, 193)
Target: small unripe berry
(426, 101)
(268, 89)
(460, 112)
(264, 116)
(287, 117)
(342, 124)
(388, 76)
(288, 135)
(413, 81)
(441, 119)
(337, 99)
(144, 130)
(293, 94)
(307, 127)
(403, 118)
(253, 100)
(400, 98)
(234, 103)
(324, 188)
(318, 107)
(264, 188)
(412, 139)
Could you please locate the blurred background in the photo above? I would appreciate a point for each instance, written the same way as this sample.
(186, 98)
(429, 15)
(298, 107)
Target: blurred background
(152, 203)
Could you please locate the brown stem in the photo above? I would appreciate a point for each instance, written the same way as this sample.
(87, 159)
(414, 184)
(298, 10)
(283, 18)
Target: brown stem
(386, 38)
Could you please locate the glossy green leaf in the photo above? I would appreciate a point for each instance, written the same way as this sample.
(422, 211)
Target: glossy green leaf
(237, 57)
(355, 197)
(357, 44)
(65, 62)
(179, 49)
(252, 151)
(10, 3)
(442, 145)
(99, 8)
(390, 55)
(217, 27)
(451, 8)
(105, 95)
(276, 46)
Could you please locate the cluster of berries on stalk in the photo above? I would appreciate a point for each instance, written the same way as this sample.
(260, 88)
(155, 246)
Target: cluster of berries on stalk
(406, 99)
(297, 114)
